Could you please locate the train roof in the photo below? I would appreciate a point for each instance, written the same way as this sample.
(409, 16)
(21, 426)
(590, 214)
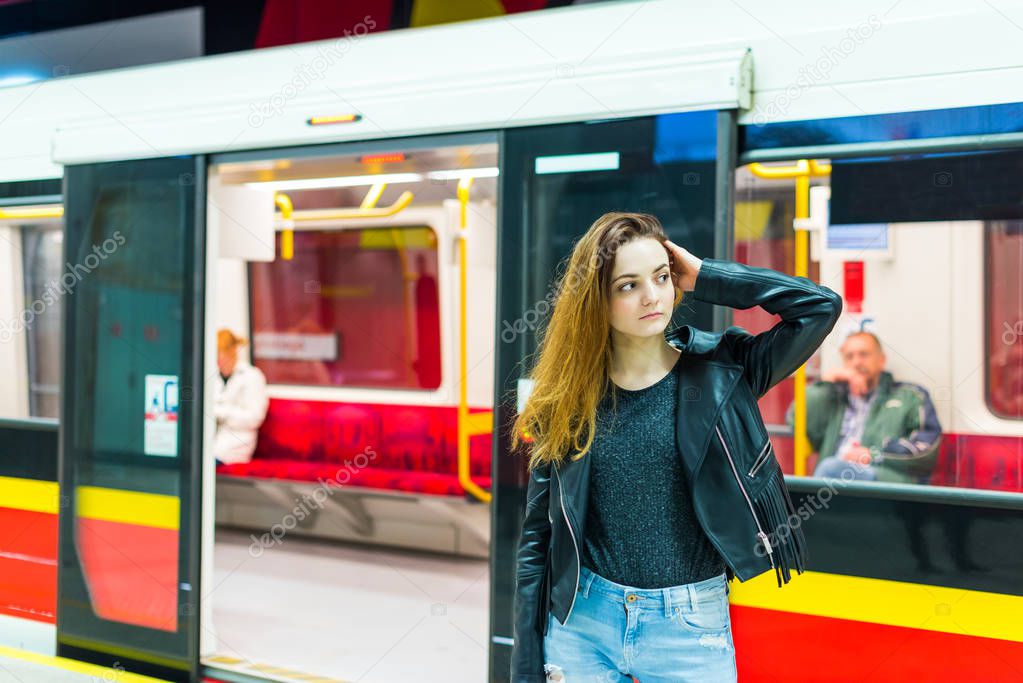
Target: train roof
(773, 62)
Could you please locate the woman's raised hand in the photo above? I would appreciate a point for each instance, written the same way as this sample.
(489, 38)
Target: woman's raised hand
(684, 266)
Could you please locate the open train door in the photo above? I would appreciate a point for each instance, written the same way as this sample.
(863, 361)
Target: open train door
(131, 423)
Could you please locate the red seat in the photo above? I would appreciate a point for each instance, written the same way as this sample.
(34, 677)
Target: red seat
(294, 428)
(347, 429)
(391, 447)
(980, 461)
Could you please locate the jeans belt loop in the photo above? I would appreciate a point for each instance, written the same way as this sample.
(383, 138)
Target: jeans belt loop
(692, 597)
(590, 576)
(666, 592)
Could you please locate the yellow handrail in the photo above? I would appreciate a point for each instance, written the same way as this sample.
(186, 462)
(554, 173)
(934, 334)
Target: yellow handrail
(477, 423)
(343, 214)
(367, 209)
(30, 212)
(373, 196)
(802, 172)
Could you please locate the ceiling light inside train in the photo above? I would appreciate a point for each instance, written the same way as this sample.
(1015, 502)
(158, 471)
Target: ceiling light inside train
(373, 179)
(341, 181)
(458, 174)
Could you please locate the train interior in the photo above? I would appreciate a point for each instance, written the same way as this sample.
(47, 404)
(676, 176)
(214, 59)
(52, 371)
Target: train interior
(948, 323)
(354, 543)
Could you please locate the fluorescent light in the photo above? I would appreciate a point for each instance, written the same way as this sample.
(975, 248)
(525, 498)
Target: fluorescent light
(343, 181)
(459, 173)
(389, 178)
(574, 163)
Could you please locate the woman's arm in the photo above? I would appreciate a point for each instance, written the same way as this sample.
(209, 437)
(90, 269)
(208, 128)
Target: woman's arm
(250, 411)
(808, 313)
(530, 567)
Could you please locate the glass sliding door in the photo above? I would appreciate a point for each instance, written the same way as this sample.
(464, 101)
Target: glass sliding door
(555, 181)
(131, 424)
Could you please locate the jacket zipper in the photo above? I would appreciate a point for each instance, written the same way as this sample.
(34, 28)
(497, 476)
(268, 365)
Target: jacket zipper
(548, 576)
(564, 513)
(761, 459)
(760, 529)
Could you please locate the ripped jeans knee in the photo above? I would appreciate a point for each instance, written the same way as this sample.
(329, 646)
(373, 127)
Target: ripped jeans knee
(555, 674)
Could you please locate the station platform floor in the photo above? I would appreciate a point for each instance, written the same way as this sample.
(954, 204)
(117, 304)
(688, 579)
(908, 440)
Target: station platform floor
(312, 611)
(346, 612)
(20, 666)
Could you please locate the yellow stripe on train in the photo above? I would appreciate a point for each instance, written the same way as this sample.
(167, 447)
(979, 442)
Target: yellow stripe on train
(93, 502)
(129, 507)
(894, 603)
(29, 494)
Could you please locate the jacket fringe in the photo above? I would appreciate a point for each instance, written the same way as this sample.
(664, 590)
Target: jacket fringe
(775, 511)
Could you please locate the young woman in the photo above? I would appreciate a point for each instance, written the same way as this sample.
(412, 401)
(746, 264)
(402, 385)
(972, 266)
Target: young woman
(240, 402)
(652, 479)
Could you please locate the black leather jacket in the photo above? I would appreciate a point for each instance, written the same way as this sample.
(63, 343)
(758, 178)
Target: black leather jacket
(736, 483)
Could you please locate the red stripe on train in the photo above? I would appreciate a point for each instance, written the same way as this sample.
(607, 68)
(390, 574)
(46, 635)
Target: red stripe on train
(131, 572)
(772, 645)
(28, 564)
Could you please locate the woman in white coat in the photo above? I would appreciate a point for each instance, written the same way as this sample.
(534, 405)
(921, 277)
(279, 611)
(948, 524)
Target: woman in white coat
(240, 402)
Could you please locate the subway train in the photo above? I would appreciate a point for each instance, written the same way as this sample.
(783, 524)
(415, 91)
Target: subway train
(383, 218)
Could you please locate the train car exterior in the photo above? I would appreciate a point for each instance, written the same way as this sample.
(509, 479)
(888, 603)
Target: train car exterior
(915, 579)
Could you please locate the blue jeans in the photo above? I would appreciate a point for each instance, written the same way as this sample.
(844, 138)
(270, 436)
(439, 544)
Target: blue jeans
(677, 634)
(836, 468)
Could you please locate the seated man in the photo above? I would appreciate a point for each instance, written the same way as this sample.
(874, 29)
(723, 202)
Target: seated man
(240, 402)
(865, 425)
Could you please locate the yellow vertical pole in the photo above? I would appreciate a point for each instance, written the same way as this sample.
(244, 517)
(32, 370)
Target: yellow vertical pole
(463, 269)
(802, 447)
(465, 427)
(802, 171)
(283, 203)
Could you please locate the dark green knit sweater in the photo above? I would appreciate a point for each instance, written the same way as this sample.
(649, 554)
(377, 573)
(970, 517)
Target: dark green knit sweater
(641, 529)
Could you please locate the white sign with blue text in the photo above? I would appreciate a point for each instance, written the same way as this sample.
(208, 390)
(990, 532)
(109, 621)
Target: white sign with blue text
(161, 428)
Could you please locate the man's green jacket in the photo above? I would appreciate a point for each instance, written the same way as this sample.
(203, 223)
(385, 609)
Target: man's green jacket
(902, 429)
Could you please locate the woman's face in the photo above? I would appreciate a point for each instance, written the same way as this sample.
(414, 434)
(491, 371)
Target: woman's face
(226, 361)
(642, 295)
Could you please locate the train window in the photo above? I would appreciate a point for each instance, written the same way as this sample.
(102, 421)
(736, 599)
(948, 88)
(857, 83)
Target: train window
(353, 308)
(948, 372)
(1004, 313)
(571, 174)
(41, 265)
(31, 288)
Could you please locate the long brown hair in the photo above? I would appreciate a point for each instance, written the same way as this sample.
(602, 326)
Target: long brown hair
(573, 360)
